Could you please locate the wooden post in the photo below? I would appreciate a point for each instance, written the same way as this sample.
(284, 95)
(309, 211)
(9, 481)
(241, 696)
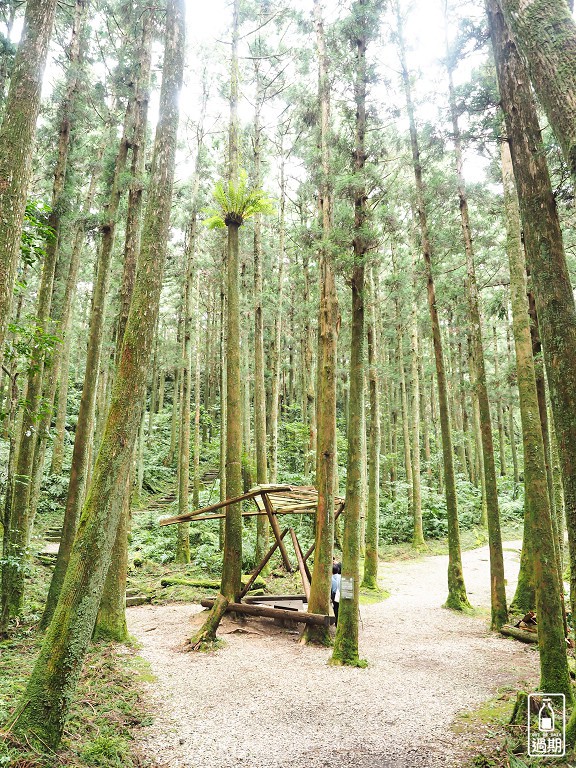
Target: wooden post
(276, 529)
(262, 565)
(302, 567)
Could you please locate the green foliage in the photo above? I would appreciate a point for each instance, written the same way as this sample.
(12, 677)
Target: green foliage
(236, 203)
(396, 523)
(29, 343)
(53, 496)
(36, 232)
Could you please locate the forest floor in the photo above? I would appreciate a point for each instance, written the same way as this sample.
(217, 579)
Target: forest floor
(265, 700)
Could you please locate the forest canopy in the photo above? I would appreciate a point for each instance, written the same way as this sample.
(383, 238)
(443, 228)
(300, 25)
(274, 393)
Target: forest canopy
(324, 250)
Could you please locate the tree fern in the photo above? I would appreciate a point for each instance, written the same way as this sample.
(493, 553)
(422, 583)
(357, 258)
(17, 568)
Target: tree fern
(236, 202)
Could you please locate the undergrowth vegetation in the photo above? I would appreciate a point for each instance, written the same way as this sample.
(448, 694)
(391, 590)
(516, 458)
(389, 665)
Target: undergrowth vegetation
(109, 708)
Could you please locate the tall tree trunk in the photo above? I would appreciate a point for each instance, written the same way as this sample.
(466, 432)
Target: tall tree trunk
(275, 352)
(20, 519)
(84, 426)
(328, 328)
(65, 322)
(497, 580)
(310, 393)
(418, 533)
(111, 620)
(546, 34)
(232, 556)
(499, 408)
(554, 674)
(17, 135)
(370, 578)
(457, 598)
(346, 641)
(405, 416)
(41, 714)
(262, 523)
(197, 402)
(545, 257)
(182, 554)
(511, 424)
(60, 205)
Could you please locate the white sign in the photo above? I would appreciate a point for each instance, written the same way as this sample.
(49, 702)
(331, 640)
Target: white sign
(547, 728)
(347, 588)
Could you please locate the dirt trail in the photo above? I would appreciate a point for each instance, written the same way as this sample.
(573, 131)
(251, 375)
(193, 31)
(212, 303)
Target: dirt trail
(266, 702)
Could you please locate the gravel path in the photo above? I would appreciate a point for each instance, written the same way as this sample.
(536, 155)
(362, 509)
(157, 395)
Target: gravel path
(265, 701)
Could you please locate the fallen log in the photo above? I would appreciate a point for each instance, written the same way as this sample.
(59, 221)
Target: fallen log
(519, 634)
(273, 613)
(173, 581)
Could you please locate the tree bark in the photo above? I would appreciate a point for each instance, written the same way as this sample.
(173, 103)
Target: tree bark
(546, 34)
(84, 427)
(545, 257)
(17, 135)
(554, 674)
(328, 328)
(346, 641)
(41, 715)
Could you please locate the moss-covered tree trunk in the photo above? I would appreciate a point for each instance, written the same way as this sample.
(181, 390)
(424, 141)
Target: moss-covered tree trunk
(276, 347)
(262, 522)
(545, 30)
(457, 598)
(60, 210)
(17, 135)
(328, 326)
(554, 674)
(34, 423)
(83, 437)
(111, 617)
(232, 554)
(111, 620)
(545, 257)
(370, 577)
(41, 714)
(497, 581)
(418, 532)
(346, 641)
(182, 553)
(65, 323)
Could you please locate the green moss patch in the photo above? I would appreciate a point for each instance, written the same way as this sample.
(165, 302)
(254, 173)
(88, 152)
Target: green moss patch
(371, 596)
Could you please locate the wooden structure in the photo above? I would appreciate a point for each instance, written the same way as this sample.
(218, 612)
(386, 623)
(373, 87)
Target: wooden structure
(272, 501)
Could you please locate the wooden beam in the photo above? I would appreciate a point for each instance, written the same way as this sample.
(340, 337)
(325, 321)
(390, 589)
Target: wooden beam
(262, 565)
(272, 598)
(304, 572)
(213, 507)
(245, 513)
(274, 613)
(276, 530)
